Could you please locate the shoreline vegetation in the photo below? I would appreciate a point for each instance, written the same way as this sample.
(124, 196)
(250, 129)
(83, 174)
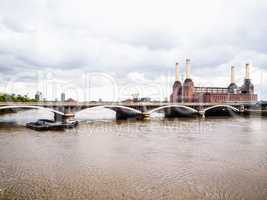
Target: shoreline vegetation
(13, 98)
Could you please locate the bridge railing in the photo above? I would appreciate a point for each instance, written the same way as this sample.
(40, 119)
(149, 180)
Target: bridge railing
(53, 103)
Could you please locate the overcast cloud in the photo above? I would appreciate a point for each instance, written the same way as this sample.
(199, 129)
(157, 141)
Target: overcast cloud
(121, 47)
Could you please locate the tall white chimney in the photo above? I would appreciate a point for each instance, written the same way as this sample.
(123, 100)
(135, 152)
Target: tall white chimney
(177, 74)
(187, 69)
(247, 71)
(232, 74)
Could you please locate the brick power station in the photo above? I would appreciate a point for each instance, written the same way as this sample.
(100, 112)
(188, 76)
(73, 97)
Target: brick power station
(188, 92)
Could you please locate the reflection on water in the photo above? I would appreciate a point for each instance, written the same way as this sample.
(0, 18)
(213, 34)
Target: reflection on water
(215, 158)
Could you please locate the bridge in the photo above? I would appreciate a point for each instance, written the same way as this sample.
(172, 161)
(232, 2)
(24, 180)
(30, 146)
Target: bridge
(138, 110)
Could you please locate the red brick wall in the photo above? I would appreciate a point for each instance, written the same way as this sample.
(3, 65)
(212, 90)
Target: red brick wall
(220, 98)
(188, 89)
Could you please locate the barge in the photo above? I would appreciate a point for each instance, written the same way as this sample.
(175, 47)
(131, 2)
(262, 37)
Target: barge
(45, 125)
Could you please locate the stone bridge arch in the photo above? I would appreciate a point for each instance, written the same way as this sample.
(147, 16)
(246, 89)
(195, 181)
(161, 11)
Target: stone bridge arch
(88, 108)
(58, 116)
(32, 107)
(124, 112)
(176, 111)
(220, 110)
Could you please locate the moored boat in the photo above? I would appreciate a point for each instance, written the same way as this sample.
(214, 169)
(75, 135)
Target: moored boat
(45, 125)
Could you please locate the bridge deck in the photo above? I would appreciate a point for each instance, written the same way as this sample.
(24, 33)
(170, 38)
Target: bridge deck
(90, 104)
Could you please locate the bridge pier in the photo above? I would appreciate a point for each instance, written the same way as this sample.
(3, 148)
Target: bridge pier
(146, 115)
(202, 114)
(129, 115)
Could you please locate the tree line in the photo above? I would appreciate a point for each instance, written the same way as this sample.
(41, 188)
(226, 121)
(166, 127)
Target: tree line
(15, 98)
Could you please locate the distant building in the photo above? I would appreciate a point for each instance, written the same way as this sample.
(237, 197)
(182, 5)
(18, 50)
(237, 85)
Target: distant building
(70, 100)
(145, 99)
(38, 96)
(188, 92)
(127, 101)
(135, 97)
(63, 97)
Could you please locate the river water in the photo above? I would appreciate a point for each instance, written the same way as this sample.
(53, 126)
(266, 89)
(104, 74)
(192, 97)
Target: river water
(215, 158)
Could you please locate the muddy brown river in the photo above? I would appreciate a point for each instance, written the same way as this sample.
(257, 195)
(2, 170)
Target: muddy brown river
(187, 159)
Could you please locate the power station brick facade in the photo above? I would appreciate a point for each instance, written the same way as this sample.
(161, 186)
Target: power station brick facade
(188, 92)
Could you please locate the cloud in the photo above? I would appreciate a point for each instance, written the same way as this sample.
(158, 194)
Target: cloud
(134, 42)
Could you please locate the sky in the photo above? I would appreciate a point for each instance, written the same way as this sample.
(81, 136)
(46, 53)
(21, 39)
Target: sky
(115, 49)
